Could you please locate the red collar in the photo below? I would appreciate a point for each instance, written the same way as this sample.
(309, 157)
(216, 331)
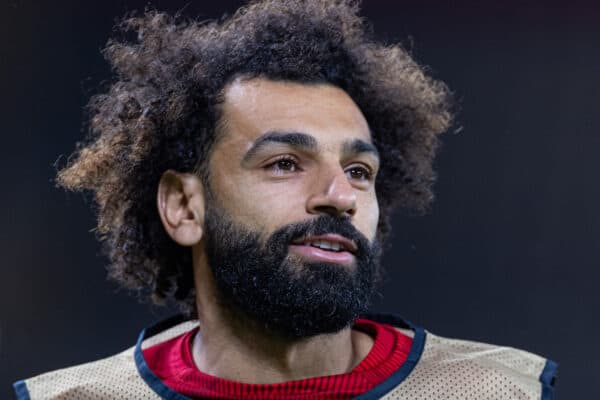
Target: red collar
(172, 362)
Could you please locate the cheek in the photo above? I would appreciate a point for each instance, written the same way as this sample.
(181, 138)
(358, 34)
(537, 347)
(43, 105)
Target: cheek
(264, 206)
(367, 216)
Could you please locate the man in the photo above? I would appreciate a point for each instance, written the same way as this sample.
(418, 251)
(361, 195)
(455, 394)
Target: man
(246, 170)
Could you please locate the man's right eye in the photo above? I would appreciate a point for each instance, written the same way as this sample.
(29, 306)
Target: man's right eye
(283, 165)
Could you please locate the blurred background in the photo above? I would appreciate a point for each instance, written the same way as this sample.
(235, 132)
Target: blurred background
(508, 254)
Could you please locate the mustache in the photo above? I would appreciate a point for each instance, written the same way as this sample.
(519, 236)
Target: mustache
(322, 225)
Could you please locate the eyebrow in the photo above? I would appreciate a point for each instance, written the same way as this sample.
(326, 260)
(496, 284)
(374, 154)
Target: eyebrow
(306, 142)
(358, 146)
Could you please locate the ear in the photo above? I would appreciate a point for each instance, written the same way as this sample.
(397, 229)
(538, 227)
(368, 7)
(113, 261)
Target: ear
(180, 201)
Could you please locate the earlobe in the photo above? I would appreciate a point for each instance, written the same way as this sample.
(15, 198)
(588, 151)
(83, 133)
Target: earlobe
(180, 202)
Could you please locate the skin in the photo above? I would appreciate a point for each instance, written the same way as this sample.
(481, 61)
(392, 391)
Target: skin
(263, 192)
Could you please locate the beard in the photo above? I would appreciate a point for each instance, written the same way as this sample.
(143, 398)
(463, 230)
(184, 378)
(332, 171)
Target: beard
(286, 295)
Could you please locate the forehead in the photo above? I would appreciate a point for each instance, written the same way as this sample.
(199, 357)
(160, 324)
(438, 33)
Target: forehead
(254, 106)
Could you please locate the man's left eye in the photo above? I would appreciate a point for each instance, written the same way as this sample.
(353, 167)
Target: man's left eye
(359, 173)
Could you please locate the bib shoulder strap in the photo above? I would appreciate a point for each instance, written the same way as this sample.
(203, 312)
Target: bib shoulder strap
(461, 369)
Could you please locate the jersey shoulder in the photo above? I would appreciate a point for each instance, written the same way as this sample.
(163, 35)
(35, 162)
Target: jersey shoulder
(462, 369)
(114, 377)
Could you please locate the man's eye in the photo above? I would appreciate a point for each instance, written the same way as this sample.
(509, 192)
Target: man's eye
(359, 173)
(284, 165)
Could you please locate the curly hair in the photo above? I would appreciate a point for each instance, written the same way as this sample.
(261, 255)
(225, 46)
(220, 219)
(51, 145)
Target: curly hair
(162, 109)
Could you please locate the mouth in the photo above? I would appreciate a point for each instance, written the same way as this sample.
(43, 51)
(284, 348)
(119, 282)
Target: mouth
(326, 248)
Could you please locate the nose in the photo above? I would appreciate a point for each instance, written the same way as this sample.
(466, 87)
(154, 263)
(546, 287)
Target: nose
(332, 194)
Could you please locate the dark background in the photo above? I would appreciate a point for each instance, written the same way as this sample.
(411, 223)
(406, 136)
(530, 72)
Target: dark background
(508, 254)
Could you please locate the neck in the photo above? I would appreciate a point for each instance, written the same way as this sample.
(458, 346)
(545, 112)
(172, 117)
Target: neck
(230, 346)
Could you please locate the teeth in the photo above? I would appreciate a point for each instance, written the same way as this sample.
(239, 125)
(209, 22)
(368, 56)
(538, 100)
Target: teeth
(326, 245)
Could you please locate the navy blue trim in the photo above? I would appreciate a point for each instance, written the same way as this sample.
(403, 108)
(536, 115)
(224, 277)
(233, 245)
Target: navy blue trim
(140, 362)
(21, 391)
(547, 378)
(377, 392)
(414, 356)
(145, 372)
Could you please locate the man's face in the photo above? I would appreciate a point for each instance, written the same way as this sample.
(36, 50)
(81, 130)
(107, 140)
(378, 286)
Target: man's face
(292, 213)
